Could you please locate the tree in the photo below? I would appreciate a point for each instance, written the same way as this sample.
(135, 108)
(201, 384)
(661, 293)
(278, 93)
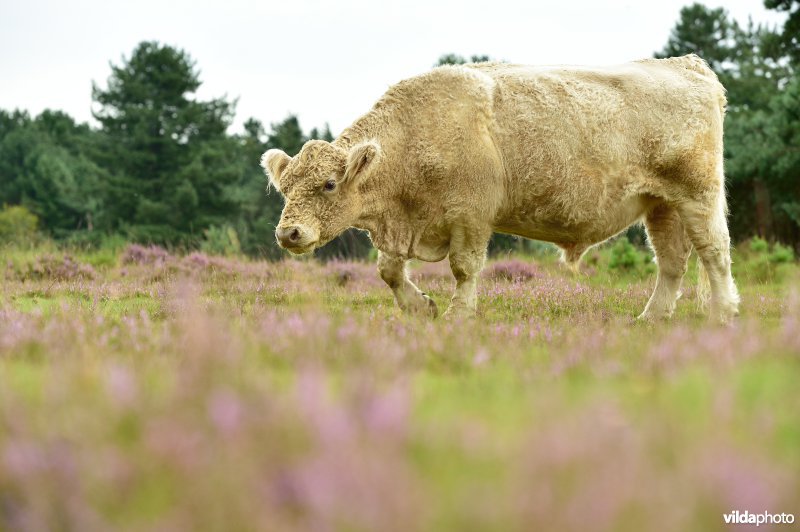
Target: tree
(752, 64)
(455, 59)
(44, 166)
(773, 136)
(259, 207)
(287, 136)
(168, 152)
(790, 37)
(706, 32)
(325, 134)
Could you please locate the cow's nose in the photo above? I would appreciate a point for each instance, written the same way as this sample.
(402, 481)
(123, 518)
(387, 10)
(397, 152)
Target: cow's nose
(288, 236)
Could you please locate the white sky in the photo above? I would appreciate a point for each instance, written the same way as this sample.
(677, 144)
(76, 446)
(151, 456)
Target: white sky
(324, 61)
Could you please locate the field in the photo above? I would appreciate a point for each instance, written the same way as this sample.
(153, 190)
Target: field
(141, 390)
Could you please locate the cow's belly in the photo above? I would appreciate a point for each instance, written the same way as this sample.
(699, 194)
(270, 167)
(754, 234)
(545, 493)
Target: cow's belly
(433, 246)
(567, 228)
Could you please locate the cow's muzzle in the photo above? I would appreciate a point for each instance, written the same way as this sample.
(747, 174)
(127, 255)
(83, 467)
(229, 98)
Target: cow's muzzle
(295, 238)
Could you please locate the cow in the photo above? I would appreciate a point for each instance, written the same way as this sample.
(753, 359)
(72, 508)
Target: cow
(565, 154)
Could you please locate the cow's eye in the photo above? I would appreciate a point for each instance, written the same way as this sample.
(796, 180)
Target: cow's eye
(329, 185)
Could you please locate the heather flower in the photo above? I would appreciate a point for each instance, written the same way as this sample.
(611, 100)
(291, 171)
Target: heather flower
(512, 270)
(226, 412)
(145, 255)
(121, 386)
(215, 392)
(63, 268)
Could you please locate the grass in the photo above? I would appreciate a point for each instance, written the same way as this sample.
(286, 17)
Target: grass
(146, 391)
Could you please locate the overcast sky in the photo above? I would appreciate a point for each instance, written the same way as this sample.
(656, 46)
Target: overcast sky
(324, 61)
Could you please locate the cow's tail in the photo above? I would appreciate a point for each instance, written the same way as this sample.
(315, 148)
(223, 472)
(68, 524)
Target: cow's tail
(703, 287)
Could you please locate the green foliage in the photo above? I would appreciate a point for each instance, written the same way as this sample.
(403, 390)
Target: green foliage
(325, 134)
(761, 128)
(221, 241)
(759, 245)
(781, 254)
(762, 262)
(502, 244)
(287, 135)
(790, 37)
(706, 32)
(169, 152)
(46, 165)
(623, 256)
(17, 226)
(455, 59)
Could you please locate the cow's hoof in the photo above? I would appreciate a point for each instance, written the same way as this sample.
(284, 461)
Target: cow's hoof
(424, 307)
(653, 317)
(431, 309)
(724, 316)
(458, 314)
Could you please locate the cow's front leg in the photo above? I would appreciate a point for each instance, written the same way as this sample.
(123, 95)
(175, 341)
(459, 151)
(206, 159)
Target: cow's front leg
(410, 299)
(467, 258)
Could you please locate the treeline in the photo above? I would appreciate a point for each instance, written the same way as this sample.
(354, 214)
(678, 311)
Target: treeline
(162, 168)
(759, 67)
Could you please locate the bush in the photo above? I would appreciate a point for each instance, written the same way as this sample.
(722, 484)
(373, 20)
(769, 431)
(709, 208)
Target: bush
(625, 256)
(513, 270)
(50, 267)
(221, 241)
(762, 262)
(149, 255)
(758, 245)
(18, 226)
(781, 254)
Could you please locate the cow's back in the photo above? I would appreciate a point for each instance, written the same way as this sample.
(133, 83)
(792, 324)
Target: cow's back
(576, 139)
(601, 113)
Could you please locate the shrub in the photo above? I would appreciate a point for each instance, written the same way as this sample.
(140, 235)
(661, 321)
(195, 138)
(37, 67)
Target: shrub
(51, 267)
(17, 226)
(621, 256)
(625, 256)
(138, 254)
(758, 245)
(221, 241)
(781, 254)
(762, 262)
(513, 270)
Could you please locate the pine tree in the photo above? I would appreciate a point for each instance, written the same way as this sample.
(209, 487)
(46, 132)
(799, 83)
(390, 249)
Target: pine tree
(168, 152)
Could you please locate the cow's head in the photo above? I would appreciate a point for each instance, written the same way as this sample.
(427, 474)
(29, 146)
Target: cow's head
(320, 185)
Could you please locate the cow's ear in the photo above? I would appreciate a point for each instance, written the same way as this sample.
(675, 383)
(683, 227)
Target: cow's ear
(274, 162)
(360, 159)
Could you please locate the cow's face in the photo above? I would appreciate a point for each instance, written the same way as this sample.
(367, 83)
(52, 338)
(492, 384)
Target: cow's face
(321, 192)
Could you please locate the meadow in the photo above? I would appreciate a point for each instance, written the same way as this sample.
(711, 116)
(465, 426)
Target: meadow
(146, 390)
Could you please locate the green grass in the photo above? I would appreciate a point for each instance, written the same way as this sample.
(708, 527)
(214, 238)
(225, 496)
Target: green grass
(225, 394)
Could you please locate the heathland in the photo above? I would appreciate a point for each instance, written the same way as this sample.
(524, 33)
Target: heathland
(145, 390)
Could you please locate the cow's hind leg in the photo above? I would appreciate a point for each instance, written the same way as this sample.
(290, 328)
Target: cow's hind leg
(410, 299)
(467, 258)
(707, 227)
(672, 247)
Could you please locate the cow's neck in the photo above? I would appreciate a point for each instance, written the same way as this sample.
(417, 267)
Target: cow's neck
(392, 228)
(368, 127)
(396, 230)
(375, 217)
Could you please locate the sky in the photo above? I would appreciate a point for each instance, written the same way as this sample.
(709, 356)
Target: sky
(326, 62)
